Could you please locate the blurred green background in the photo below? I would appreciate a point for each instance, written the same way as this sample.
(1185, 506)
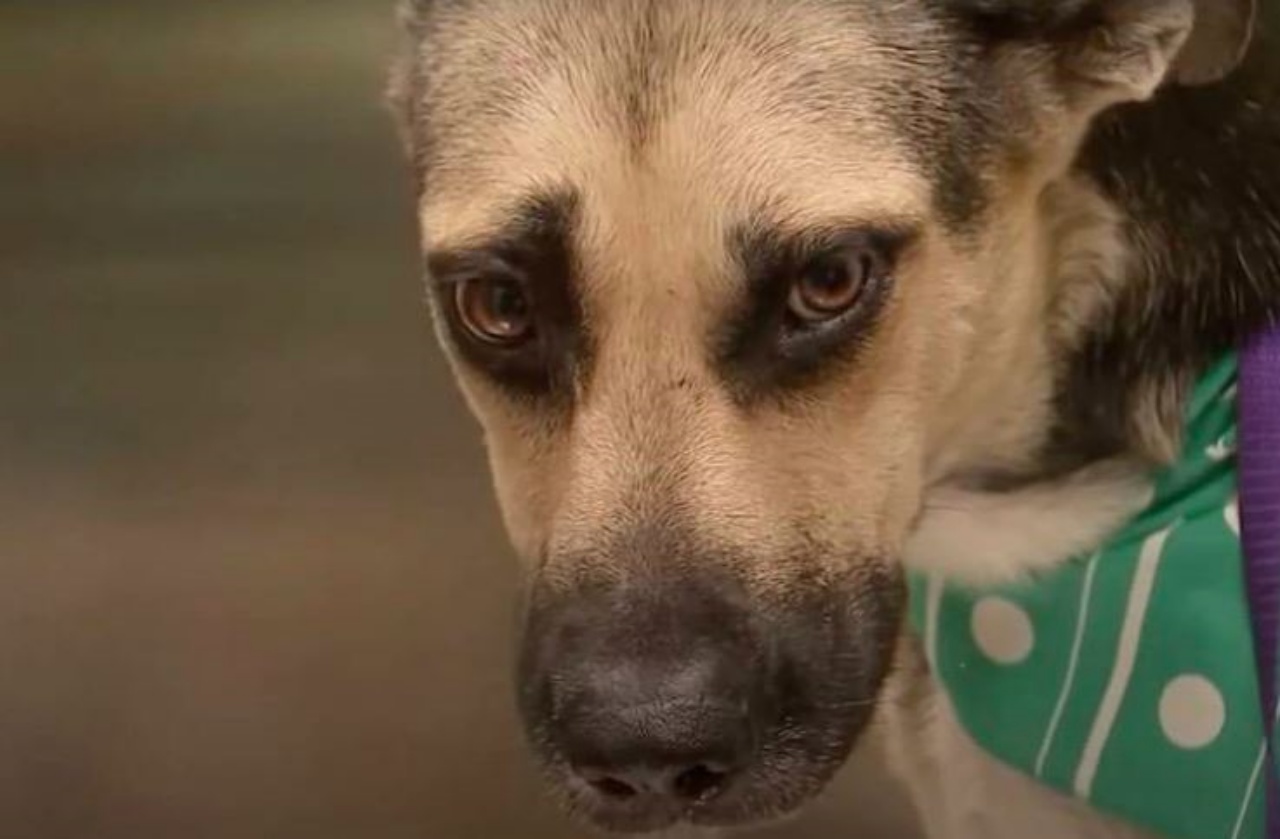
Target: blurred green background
(251, 579)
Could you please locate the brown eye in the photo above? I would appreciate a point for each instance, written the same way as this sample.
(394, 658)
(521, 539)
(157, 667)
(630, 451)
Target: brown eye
(495, 311)
(830, 286)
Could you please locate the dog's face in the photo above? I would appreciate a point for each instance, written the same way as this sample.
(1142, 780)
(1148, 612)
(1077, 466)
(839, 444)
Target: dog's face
(729, 285)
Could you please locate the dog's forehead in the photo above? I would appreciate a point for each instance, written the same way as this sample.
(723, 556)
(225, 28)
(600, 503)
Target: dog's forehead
(697, 112)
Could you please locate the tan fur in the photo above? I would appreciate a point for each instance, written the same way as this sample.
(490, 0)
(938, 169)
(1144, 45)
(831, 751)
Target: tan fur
(959, 377)
(656, 281)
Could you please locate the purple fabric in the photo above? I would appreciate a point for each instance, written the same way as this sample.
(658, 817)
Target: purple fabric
(1260, 521)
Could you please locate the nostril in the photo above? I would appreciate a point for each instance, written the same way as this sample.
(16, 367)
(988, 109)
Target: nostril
(699, 782)
(614, 788)
(692, 785)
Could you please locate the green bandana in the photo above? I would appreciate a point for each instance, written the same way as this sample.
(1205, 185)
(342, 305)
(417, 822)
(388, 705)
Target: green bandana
(1127, 678)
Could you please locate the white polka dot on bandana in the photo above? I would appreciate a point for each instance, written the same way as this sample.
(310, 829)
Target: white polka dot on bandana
(1232, 515)
(1002, 631)
(1192, 712)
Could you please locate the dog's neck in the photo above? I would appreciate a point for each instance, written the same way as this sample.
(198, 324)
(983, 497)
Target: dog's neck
(1061, 257)
(1157, 254)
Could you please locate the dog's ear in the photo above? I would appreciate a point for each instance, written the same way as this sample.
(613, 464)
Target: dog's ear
(1102, 52)
(1220, 38)
(403, 81)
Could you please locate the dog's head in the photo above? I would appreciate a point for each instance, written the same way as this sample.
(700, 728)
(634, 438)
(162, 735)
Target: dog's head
(728, 285)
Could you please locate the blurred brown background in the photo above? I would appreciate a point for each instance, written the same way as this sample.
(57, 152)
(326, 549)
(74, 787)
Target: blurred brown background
(251, 579)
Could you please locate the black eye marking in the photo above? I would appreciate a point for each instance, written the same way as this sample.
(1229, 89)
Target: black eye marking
(511, 304)
(811, 300)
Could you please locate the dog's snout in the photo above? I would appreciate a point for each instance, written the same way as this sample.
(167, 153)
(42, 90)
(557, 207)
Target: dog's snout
(661, 694)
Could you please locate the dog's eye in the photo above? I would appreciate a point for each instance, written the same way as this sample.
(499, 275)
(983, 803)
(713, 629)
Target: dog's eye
(831, 285)
(495, 310)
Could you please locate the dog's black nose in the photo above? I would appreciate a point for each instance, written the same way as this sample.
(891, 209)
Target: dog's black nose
(653, 700)
(675, 737)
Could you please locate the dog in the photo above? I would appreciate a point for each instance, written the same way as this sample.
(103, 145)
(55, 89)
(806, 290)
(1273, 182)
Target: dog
(764, 306)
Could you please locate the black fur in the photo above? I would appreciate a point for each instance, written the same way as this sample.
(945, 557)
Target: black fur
(1197, 172)
(535, 249)
(1006, 19)
(763, 355)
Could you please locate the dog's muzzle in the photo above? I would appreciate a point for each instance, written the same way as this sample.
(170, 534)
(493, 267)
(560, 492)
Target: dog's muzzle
(653, 698)
(658, 702)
